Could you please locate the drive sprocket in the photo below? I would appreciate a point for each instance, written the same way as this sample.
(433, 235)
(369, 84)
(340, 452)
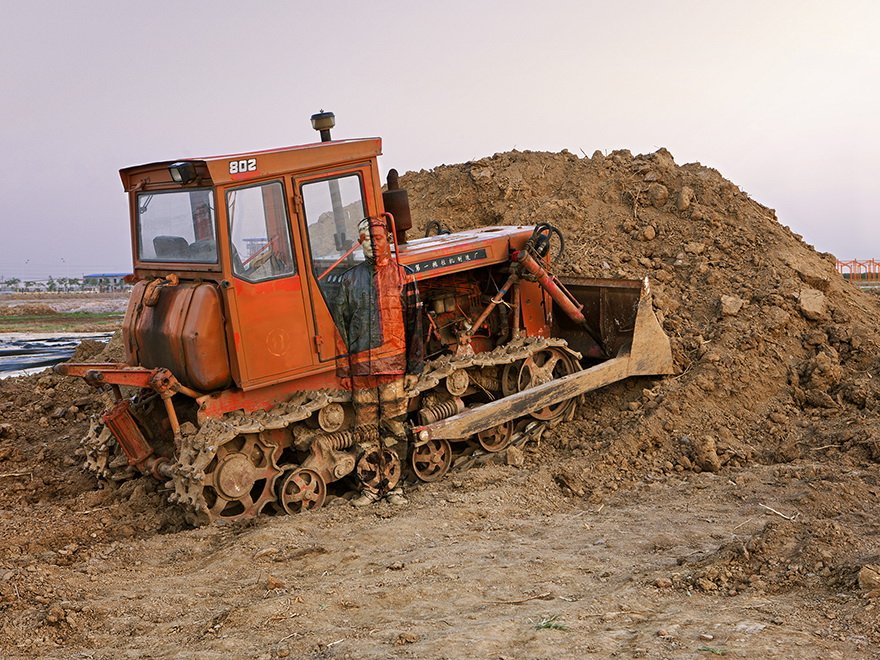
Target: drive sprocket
(228, 478)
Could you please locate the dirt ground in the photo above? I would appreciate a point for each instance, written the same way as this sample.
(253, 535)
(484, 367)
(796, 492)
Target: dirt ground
(730, 509)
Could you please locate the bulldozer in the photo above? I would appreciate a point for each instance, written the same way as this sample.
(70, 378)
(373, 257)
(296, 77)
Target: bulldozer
(285, 337)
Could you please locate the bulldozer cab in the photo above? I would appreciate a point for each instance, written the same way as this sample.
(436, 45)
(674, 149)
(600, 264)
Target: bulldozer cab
(268, 235)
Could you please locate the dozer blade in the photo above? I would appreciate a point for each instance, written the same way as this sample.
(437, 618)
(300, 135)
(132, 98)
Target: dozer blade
(646, 352)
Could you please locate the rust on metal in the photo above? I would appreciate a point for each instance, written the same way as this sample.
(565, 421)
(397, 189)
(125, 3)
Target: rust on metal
(124, 428)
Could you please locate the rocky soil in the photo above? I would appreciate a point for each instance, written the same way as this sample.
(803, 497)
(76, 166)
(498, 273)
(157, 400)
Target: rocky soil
(729, 509)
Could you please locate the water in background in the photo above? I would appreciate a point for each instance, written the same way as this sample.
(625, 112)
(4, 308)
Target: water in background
(22, 354)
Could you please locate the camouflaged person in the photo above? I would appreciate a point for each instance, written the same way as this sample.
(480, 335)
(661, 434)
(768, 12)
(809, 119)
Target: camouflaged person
(377, 313)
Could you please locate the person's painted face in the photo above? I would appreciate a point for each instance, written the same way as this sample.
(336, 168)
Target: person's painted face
(365, 238)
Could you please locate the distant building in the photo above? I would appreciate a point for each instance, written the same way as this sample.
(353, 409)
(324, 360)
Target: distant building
(104, 281)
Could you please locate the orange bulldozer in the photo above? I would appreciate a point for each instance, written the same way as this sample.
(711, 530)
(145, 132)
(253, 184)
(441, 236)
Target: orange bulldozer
(284, 336)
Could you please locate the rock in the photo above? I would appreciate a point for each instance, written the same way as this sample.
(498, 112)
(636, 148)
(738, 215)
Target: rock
(663, 583)
(658, 194)
(664, 159)
(7, 431)
(706, 454)
(750, 627)
(776, 317)
(778, 418)
(396, 566)
(813, 274)
(694, 248)
(731, 305)
(649, 233)
(569, 482)
(406, 638)
(515, 457)
(273, 583)
(55, 615)
(706, 585)
(823, 372)
(265, 552)
(819, 399)
(684, 198)
(812, 304)
(869, 577)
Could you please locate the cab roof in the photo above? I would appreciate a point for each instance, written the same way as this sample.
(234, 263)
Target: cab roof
(218, 170)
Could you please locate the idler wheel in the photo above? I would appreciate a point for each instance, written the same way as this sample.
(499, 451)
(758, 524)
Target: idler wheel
(497, 438)
(301, 490)
(379, 470)
(431, 460)
(542, 367)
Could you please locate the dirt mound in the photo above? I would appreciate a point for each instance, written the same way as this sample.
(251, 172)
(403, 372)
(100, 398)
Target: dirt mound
(777, 356)
(27, 309)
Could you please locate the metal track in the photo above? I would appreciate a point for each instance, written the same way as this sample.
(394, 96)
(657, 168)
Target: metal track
(198, 446)
(505, 354)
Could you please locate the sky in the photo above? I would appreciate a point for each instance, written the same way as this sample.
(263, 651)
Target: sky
(781, 97)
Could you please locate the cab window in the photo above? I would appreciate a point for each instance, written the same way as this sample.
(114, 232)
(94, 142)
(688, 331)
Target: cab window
(333, 209)
(177, 226)
(259, 232)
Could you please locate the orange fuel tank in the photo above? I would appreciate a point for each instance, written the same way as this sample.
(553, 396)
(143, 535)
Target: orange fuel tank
(182, 329)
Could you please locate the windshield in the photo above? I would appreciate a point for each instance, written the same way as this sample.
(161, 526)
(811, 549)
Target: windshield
(177, 226)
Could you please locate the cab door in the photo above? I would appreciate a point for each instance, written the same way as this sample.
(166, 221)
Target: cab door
(266, 298)
(332, 205)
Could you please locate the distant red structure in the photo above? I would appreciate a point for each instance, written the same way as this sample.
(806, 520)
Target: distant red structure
(860, 272)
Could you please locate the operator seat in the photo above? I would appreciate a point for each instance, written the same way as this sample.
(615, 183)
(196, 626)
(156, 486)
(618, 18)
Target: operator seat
(174, 248)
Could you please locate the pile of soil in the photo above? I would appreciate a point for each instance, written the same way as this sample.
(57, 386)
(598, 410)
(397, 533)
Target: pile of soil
(27, 309)
(776, 354)
(777, 357)
(754, 470)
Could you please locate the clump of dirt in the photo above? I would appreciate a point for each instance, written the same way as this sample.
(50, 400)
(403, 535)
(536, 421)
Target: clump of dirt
(112, 351)
(88, 349)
